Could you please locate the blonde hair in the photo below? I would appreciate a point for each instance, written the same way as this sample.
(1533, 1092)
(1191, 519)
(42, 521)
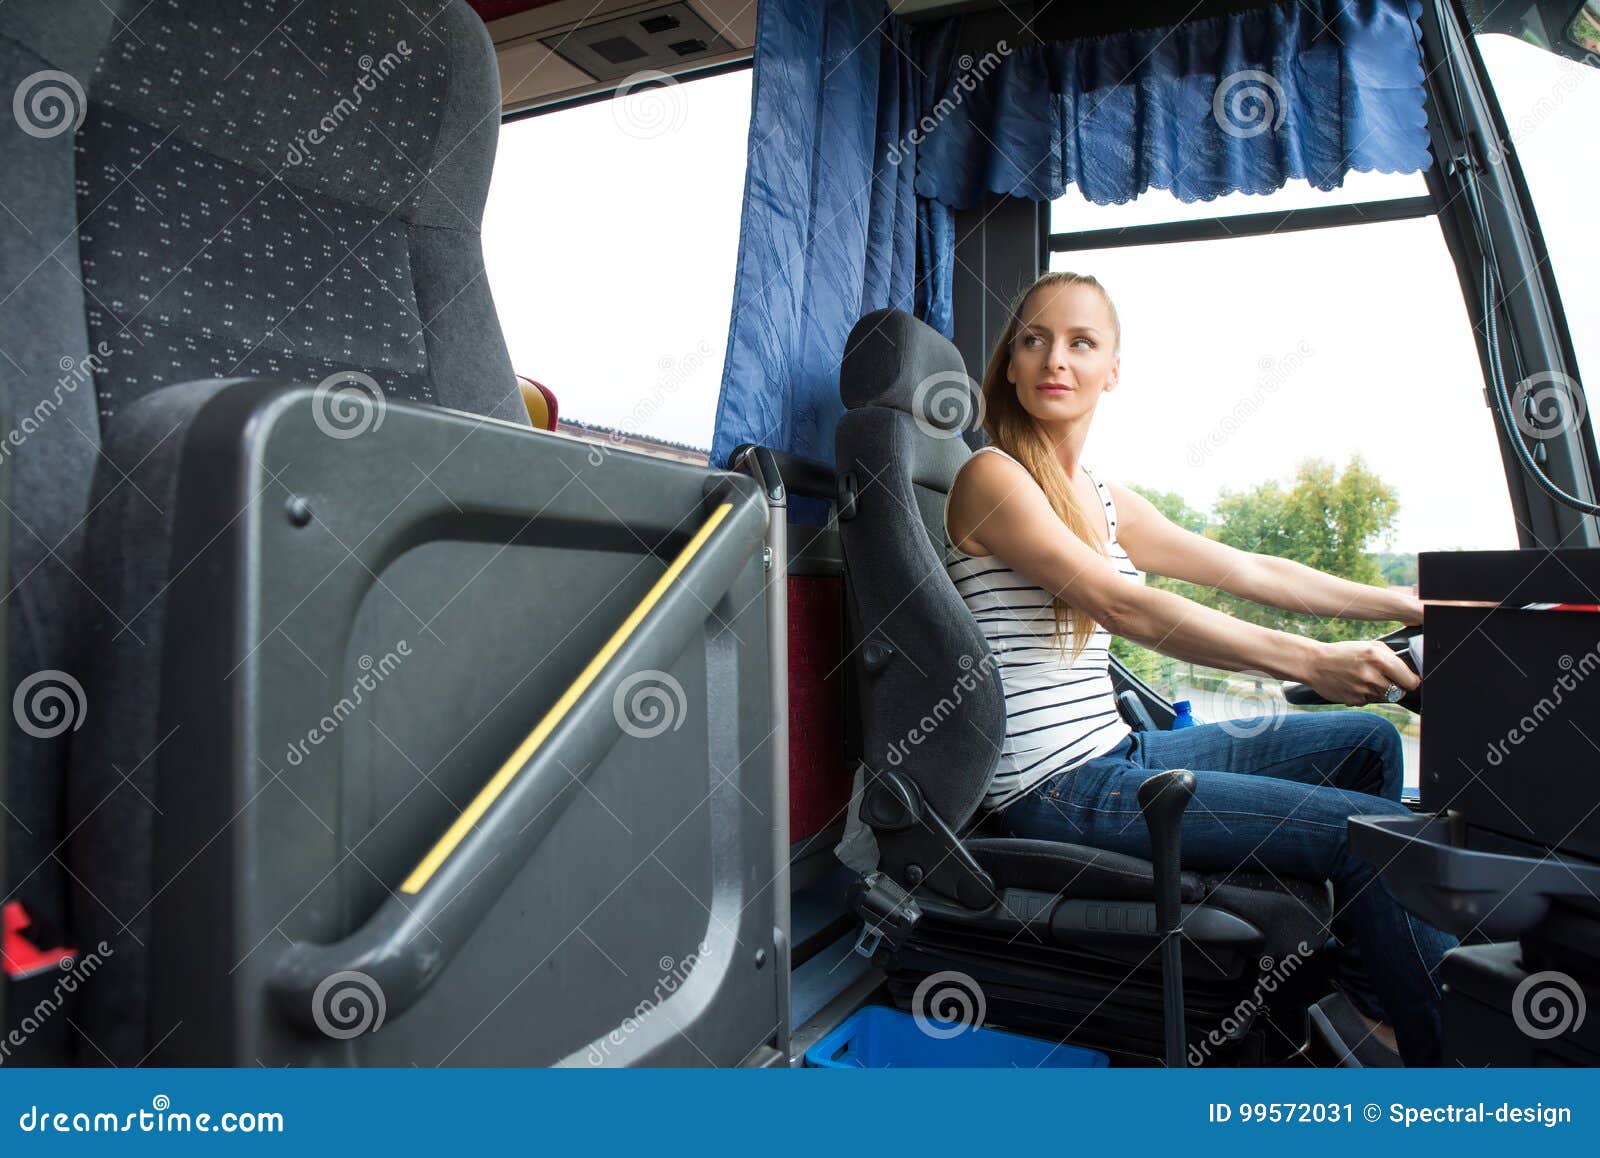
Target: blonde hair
(1011, 428)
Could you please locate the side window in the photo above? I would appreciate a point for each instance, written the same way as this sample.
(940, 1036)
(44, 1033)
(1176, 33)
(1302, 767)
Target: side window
(610, 237)
(1287, 390)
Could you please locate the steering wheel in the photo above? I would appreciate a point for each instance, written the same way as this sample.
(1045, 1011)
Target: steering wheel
(1406, 643)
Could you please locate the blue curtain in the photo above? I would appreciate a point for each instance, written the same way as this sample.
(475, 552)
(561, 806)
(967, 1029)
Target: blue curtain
(831, 228)
(1306, 89)
(866, 133)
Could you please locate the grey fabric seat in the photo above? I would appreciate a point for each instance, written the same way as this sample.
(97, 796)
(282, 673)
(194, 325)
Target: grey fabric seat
(199, 192)
(992, 905)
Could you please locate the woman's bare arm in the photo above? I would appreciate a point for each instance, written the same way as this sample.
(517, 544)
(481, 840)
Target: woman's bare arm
(1158, 545)
(997, 504)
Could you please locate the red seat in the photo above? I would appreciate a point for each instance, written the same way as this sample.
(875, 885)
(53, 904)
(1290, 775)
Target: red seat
(819, 782)
(540, 401)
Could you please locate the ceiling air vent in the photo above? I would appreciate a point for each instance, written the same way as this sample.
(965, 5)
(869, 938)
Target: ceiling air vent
(657, 38)
(618, 50)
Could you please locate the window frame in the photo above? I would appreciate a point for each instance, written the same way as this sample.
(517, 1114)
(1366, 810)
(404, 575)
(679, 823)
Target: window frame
(1463, 114)
(1005, 242)
(1246, 224)
(560, 104)
(658, 447)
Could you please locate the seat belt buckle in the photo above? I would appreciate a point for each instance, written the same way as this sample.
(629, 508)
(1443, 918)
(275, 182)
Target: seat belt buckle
(21, 958)
(887, 912)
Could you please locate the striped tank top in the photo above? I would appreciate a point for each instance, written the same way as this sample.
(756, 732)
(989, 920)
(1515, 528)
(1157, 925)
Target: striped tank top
(1058, 714)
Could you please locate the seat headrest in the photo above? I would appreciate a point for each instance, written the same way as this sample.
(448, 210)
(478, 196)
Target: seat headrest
(892, 359)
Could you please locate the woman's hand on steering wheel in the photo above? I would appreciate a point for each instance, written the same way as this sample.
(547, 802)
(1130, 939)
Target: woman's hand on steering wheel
(1359, 672)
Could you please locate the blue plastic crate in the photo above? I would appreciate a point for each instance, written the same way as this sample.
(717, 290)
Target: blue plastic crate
(878, 1037)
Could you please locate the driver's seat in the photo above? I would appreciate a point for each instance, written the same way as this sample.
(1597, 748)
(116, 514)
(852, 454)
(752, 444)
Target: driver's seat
(1060, 938)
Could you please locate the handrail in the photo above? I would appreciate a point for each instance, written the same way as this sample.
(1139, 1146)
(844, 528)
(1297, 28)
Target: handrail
(785, 473)
(406, 944)
(766, 467)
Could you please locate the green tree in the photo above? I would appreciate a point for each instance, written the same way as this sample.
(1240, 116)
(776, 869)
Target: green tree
(1152, 667)
(1398, 570)
(1325, 518)
(1171, 504)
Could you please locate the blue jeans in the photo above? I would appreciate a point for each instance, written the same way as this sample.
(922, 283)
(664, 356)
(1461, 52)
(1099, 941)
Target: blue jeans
(1273, 795)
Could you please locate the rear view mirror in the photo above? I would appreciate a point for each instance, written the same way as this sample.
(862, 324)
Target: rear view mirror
(1552, 25)
(1584, 32)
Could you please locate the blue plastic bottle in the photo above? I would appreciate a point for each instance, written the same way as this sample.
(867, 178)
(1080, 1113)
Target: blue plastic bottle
(1183, 719)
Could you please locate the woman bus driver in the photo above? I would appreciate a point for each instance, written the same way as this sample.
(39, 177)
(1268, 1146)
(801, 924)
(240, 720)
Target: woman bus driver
(1044, 554)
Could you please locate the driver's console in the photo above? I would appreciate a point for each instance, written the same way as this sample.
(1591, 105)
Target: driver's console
(1506, 853)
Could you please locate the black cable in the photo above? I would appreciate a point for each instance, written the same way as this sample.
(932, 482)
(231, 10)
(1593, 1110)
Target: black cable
(1504, 412)
(1499, 397)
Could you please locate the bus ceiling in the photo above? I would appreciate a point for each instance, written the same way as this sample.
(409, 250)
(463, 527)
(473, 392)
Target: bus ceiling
(558, 52)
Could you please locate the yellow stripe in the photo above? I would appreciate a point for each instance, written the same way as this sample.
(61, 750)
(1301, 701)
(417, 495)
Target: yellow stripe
(519, 759)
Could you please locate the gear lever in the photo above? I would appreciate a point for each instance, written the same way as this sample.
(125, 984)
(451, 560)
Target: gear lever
(1162, 799)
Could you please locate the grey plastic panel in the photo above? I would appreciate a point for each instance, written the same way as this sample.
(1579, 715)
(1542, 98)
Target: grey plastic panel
(660, 38)
(343, 685)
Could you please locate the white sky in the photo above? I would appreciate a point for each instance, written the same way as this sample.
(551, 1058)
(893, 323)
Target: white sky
(610, 237)
(611, 232)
